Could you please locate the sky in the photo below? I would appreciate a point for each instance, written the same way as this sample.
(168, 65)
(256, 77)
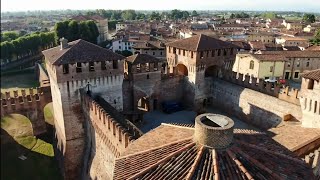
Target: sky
(258, 5)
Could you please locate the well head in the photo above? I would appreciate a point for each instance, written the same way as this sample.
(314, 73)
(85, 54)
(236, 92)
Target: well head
(213, 130)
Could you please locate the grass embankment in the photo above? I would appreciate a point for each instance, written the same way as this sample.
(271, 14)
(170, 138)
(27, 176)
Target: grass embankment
(48, 113)
(17, 139)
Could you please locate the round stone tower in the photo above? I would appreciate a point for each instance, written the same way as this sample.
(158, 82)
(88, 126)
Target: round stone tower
(213, 130)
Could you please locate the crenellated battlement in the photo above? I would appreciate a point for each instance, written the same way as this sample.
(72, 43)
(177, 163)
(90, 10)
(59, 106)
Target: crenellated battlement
(18, 100)
(288, 94)
(114, 130)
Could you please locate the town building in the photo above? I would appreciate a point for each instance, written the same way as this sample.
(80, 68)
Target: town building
(260, 66)
(265, 37)
(154, 48)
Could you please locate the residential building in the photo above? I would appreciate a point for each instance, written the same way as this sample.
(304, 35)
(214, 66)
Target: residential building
(265, 37)
(292, 41)
(154, 48)
(260, 65)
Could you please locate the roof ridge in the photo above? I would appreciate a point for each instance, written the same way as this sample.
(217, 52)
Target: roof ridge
(145, 170)
(269, 151)
(154, 148)
(195, 163)
(177, 126)
(200, 35)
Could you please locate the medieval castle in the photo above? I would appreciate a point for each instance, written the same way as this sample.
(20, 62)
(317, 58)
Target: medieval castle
(98, 95)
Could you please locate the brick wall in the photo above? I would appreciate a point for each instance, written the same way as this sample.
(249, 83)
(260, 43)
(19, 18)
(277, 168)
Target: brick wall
(108, 133)
(254, 107)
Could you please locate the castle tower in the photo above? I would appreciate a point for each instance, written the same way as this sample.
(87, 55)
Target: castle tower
(196, 58)
(71, 66)
(310, 99)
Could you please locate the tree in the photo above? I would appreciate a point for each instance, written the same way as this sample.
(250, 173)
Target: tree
(128, 15)
(61, 29)
(316, 39)
(9, 36)
(73, 31)
(242, 15)
(194, 13)
(185, 14)
(93, 31)
(140, 16)
(232, 16)
(155, 16)
(125, 53)
(309, 18)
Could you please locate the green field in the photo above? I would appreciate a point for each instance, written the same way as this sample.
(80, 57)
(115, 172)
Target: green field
(17, 139)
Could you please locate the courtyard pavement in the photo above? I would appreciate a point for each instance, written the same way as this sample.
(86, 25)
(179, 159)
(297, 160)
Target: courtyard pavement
(154, 119)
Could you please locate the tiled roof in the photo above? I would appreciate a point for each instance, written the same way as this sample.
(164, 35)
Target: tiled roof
(142, 58)
(200, 42)
(269, 57)
(314, 75)
(313, 48)
(149, 45)
(289, 54)
(244, 159)
(79, 51)
(257, 45)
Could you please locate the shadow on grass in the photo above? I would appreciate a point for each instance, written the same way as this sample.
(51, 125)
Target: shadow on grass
(36, 166)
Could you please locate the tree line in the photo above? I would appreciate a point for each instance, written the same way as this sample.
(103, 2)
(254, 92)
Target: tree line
(27, 45)
(73, 30)
(133, 15)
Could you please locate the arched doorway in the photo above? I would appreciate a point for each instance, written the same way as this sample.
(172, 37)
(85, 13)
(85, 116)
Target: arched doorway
(182, 70)
(143, 104)
(212, 71)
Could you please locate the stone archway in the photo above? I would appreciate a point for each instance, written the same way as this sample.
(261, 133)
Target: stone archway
(182, 70)
(212, 71)
(143, 104)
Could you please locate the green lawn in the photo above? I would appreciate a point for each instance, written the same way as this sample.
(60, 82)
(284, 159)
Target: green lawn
(48, 113)
(17, 139)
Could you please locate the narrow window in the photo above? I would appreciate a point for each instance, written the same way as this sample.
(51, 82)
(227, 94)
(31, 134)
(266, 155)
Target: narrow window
(161, 53)
(298, 64)
(201, 54)
(251, 64)
(91, 66)
(79, 67)
(289, 64)
(296, 74)
(147, 67)
(271, 68)
(224, 52)
(115, 64)
(191, 54)
(207, 53)
(308, 64)
(148, 76)
(66, 69)
(219, 52)
(153, 53)
(174, 50)
(183, 52)
(315, 106)
(103, 65)
(310, 84)
(138, 68)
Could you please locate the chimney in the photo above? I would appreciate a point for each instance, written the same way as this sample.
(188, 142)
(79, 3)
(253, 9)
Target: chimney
(213, 130)
(63, 43)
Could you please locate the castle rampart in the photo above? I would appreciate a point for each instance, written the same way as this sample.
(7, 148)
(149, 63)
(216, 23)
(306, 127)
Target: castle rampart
(29, 104)
(108, 134)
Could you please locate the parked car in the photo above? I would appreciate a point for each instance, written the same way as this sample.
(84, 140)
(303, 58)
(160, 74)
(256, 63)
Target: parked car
(171, 106)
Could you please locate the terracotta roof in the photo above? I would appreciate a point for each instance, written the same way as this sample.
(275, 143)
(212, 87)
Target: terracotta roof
(313, 48)
(184, 159)
(149, 45)
(257, 45)
(314, 75)
(241, 44)
(289, 54)
(79, 51)
(142, 58)
(200, 42)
